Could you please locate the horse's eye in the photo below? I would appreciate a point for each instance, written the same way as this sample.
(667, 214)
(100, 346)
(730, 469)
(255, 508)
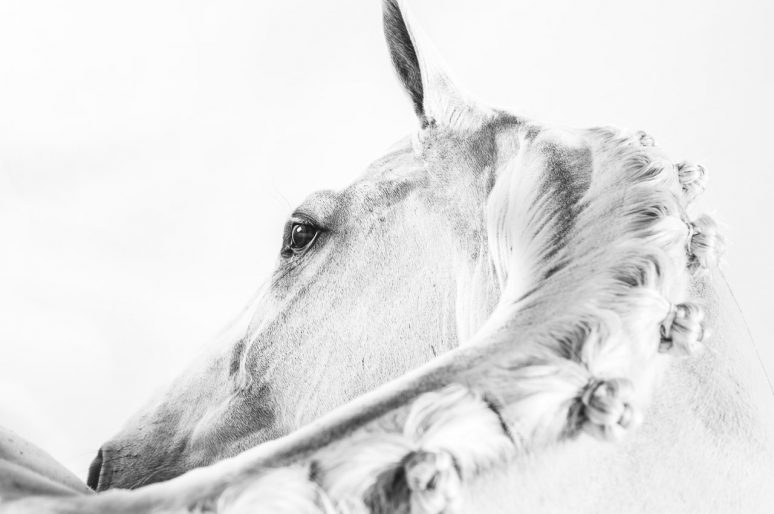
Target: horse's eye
(302, 235)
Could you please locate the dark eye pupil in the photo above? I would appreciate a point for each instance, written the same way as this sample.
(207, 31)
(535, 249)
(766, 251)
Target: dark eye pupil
(301, 235)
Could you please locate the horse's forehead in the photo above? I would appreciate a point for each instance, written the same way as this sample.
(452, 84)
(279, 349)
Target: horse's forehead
(404, 168)
(389, 179)
(400, 162)
(379, 188)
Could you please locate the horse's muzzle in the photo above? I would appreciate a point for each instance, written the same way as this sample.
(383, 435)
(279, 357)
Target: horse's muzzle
(100, 472)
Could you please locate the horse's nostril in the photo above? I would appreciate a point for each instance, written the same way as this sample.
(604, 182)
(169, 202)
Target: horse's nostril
(95, 469)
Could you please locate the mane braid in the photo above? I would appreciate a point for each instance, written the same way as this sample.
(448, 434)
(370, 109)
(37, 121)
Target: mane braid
(608, 263)
(574, 348)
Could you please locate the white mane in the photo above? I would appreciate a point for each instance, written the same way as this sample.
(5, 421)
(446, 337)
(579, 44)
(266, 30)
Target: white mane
(573, 346)
(572, 301)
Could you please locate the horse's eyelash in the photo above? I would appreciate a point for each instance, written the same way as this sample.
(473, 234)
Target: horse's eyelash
(305, 219)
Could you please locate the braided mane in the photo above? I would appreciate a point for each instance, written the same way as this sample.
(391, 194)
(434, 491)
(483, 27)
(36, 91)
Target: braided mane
(574, 348)
(567, 257)
(591, 249)
(609, 266)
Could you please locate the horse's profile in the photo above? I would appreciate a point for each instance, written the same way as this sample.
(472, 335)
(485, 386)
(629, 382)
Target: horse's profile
(497, 316)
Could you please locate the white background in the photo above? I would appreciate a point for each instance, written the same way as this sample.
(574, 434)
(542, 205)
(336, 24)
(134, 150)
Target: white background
(150, 151)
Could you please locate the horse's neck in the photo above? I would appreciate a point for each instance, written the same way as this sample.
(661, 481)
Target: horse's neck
(731, 371)
(706, 445)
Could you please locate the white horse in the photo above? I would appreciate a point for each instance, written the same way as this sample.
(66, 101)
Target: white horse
(518, 313)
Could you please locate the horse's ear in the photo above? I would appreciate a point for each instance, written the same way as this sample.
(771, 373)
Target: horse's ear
(435, 98)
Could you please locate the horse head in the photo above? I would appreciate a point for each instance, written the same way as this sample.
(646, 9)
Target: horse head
(369, 283)
(400, 266)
